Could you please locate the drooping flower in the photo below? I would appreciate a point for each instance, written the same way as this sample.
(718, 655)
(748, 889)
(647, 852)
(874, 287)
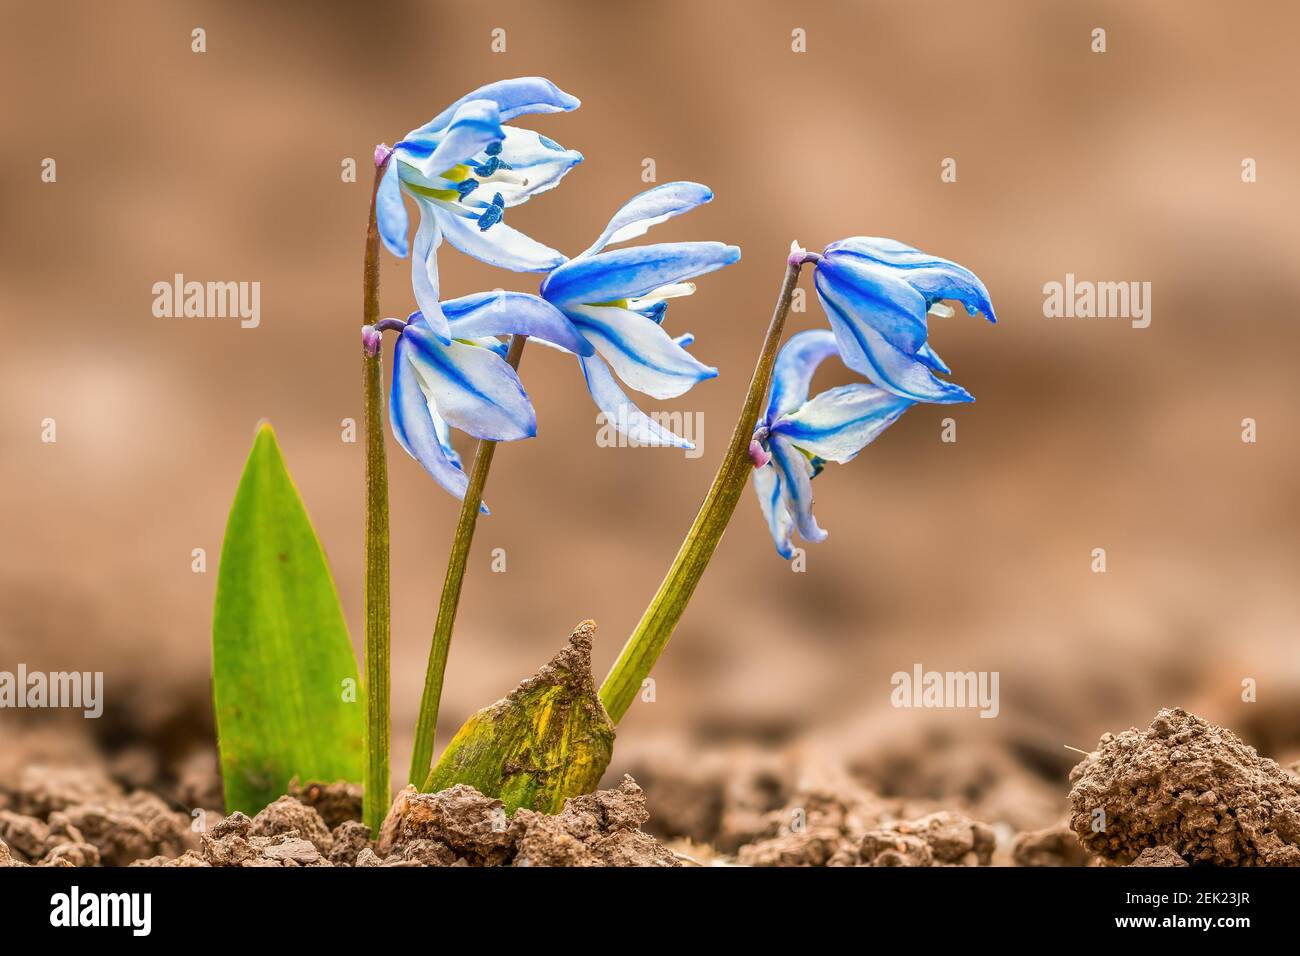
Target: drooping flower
(617, 300)
(465, 383)
(877, 294)
(463, 169)
(797, 435)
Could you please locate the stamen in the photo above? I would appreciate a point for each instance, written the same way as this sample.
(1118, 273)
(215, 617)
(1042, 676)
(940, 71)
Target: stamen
(466, 186)
(493, 148)
(493, 163)
(492, 215)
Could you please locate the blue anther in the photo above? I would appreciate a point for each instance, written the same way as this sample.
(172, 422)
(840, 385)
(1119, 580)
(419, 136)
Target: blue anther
(466, 186)
(492, 215)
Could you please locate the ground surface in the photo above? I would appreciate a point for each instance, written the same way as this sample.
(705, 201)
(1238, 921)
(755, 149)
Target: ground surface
(1180, 792)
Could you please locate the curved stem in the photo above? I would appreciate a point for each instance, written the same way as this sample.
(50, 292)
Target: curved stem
(376, 780)
(669, 603)
(427, 723)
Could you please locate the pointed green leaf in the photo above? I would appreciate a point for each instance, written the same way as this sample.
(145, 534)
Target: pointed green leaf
(549, 740)
(283, 671)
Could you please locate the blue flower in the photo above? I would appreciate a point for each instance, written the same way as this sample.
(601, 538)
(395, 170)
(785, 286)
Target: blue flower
(877, 293)
(617, 301)
(798, 435)
(463, 169)
(465, 383)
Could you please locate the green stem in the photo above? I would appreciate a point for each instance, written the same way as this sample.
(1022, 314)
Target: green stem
(376, 780)
(427, 723)
(660, 618)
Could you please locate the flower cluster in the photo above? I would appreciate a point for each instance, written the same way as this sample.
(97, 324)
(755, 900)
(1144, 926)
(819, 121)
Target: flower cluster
(463, 170)
(878, 295)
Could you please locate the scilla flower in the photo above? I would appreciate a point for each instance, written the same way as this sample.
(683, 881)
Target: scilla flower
(463, 169)
(617, 300)
(465, 383)
(797, 435)
(877, 293)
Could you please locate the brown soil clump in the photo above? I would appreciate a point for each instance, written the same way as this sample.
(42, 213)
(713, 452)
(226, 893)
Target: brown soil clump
(1159, 856)
(1054, 846)
(335, 802)
(938, 839)
(1189, 786)
(460, 825)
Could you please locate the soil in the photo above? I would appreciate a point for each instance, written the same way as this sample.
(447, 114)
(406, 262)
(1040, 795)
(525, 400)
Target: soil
(1181, 792)
(1191, 787)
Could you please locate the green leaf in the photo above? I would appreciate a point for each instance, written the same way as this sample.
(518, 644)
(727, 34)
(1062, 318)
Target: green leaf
(283, 671)
(549, 740)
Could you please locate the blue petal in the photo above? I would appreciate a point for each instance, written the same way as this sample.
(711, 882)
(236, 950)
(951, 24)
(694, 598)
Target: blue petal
(513, 313)
(930, 359)
(619, 410)
(933, 277)
(415, 427)
(767, 487)
(475, 125)
(628, 273)
(649, 209)
(796, 486)
(499, 245)
(795, 365)
(876, 294)
(390, 212)
(424, 268)
(473, 388)
(536, 165)
(526, 94)
(866, 351)
(640, 351)
(840, 422)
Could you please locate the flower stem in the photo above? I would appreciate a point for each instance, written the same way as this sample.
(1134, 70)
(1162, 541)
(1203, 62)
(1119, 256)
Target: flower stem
(660, 618)
(376, 779)
(427, 723)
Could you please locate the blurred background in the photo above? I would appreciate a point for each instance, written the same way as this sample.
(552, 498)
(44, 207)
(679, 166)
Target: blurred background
(1088, 433)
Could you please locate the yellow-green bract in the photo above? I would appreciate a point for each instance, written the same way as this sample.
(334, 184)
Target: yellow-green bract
(549, 740)
(283, 671)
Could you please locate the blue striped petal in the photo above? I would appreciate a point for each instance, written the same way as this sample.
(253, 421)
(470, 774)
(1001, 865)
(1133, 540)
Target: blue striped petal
(933, 277)
(865, 350)
(796, 473)
(498, 245)
(473, 388)
(840, 422)
(424, 269)
(793, 372)
(875, 294)
(649, 209)
(415, 427)
(474, 126)
(537, 163)
(930, 359)
(513, 313)
(640, 351)
(767, 487)
(628, 273)
(390, 211)
(619, 410)
(526, 94)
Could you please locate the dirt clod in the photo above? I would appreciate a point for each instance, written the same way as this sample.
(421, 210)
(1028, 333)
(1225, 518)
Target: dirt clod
(349, 838)
(944, 838)
(288, 815)
(6, 858)
(1159, 856)
(336, 802)
(1190, 786)
(1054, 846)
(472, 825)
